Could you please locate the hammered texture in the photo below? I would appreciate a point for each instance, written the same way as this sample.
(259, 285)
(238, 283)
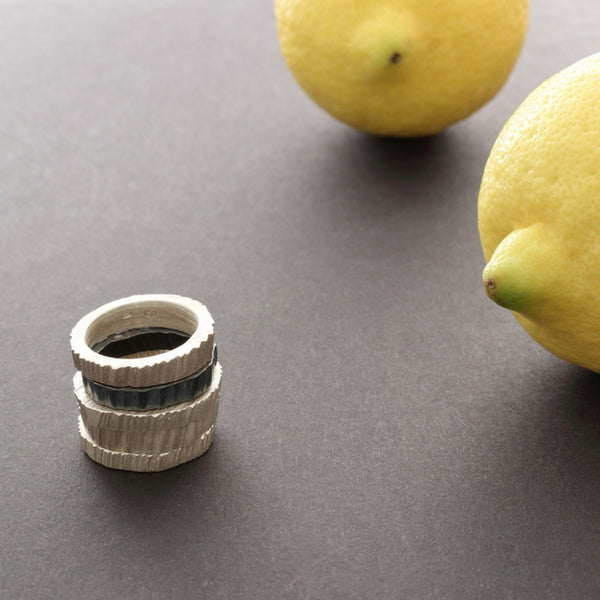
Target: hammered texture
(159, 369)
(129, 461)
(141, 312)
(155, 431)
(152, 398)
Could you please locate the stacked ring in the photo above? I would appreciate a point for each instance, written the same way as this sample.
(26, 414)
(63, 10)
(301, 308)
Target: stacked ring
(148, 381)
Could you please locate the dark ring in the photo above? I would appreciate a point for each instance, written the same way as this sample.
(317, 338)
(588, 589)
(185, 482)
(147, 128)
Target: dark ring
(151, 398)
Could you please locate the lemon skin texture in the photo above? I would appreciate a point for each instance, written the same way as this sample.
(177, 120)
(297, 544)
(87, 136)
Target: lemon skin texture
(402, 68)
(539, 215)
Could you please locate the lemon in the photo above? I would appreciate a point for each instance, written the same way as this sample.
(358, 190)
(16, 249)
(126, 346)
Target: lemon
(539, 214)
(401, 67)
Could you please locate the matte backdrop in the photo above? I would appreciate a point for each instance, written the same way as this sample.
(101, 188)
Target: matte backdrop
(385, 431)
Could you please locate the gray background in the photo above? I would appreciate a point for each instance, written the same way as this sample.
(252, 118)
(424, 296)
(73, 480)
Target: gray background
(385, 431)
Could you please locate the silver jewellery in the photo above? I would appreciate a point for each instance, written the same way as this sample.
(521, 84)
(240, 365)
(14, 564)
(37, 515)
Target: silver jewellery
(148, 381)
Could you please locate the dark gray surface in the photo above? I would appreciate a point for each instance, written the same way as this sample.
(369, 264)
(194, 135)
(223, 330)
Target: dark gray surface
(385, 431)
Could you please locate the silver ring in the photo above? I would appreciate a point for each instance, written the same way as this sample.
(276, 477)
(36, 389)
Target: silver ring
(148, 381)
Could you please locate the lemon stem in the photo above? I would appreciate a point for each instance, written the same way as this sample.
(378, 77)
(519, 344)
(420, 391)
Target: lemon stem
(395, 57)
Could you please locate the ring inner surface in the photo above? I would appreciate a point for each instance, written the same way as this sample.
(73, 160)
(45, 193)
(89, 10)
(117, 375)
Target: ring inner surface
(140, 342)
(141, 330)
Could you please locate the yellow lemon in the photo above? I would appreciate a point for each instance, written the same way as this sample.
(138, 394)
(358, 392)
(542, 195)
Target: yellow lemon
(400, 67)
(539, 214)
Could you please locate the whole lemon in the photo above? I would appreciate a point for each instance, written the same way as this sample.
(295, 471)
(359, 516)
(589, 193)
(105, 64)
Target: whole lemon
(539, 214)
(400, 67)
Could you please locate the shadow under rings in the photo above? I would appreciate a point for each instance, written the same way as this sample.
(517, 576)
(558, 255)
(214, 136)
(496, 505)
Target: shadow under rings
(130, 493)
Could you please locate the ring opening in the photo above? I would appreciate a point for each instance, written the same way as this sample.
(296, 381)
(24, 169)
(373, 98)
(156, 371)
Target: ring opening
(141, 329)
(138, 343)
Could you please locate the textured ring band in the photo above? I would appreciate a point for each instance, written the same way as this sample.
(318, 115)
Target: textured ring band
(150, 398)
(152, 431)
(184, 319)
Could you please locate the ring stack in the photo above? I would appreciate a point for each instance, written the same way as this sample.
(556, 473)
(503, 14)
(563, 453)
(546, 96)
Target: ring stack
(147, 382)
